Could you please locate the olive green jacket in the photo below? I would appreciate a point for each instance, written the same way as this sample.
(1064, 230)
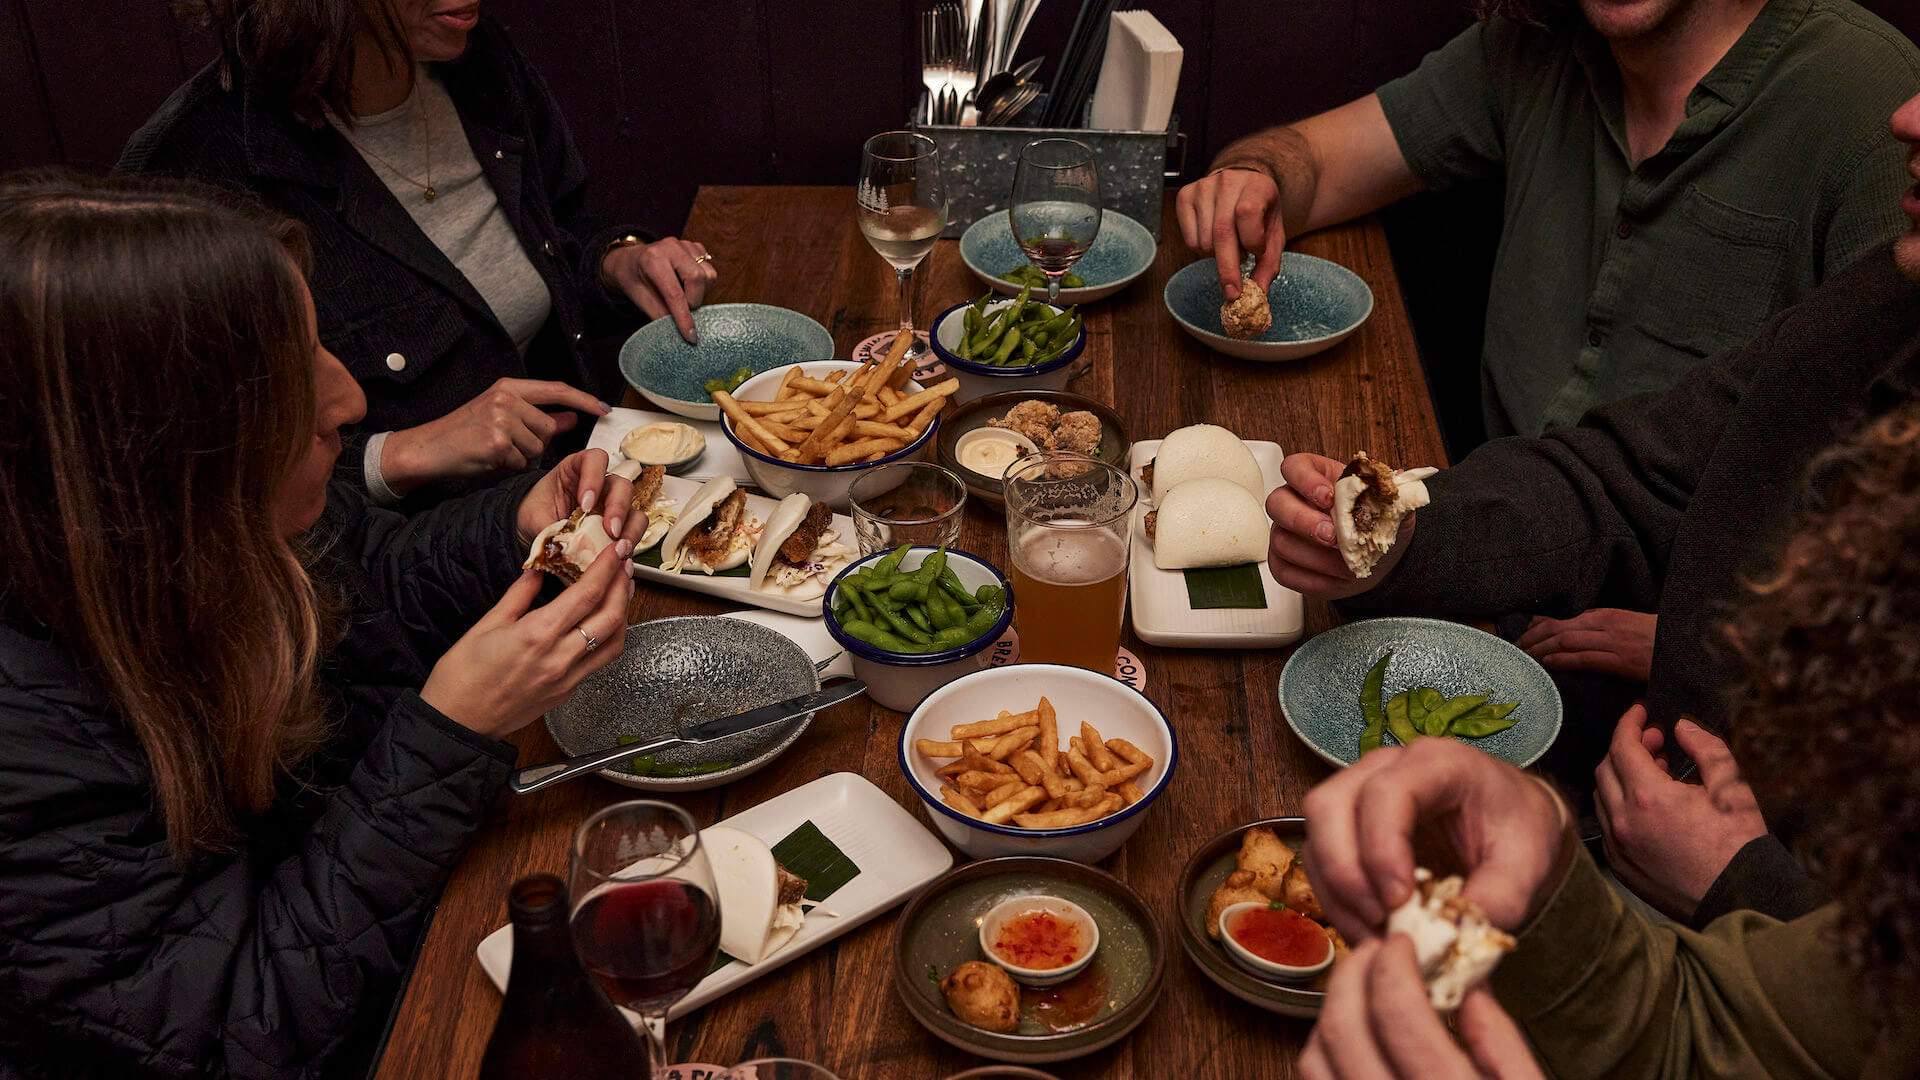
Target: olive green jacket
(1603, 992)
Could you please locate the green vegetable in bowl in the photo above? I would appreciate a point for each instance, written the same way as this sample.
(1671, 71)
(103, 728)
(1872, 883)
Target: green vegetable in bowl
(729, 384)
(1031, 276)
(1022, 334)
(916, 611)
(1422, 711)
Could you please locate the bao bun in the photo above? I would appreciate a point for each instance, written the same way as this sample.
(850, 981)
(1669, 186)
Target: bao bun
(1208, 521)
(1454, 944)
(701, 505)
(1205, 450)
(1369, 503)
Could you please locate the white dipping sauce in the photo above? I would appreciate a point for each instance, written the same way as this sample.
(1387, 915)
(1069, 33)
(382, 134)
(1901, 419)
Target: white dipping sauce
(990, 455)
(662, 443)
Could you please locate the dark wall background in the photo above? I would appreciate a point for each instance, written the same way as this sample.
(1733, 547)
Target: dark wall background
(664, 95)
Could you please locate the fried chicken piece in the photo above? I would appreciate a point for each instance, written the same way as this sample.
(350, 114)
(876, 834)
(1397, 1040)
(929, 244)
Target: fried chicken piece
(1268, 858)
(710, 539)
(984, 996)
(1146, 474)
(1380, 493)
(646, 490)
(1296, 891)
(1237, 888)
(1033, 419)
(1076, 433)
(1152, 522)
(1249, 316)
(798, 548)
(793, 887)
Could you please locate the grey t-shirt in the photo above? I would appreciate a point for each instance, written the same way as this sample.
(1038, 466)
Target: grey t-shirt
(420, 141)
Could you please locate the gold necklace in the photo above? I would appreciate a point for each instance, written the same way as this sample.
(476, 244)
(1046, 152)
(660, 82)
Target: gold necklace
(427, 190)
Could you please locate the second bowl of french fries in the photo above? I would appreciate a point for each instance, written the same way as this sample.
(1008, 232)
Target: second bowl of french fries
(1037, 759)
(814, 427)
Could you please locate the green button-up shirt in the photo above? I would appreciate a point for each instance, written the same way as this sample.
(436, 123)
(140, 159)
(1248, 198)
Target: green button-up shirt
(1613, 279)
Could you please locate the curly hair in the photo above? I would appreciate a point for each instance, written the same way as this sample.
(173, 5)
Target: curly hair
(1829, 714)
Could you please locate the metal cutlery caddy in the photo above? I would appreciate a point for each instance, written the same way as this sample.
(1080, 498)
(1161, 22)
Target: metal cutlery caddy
(978, 164)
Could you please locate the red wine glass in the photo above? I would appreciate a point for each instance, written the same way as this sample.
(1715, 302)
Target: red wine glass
(646, 916)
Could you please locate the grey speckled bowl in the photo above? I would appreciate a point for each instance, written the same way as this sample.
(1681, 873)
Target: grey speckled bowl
(1121, 252)
(660, 364)
(1316, 304)
(1320, 686)
(680, 671)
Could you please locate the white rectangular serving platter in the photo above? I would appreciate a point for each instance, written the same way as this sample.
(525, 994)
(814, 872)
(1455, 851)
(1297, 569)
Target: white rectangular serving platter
(1158, 598)
(896, 856)
(721, 458)
(679, 489)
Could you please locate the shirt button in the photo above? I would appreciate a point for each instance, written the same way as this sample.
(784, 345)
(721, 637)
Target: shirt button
(499, 155)
(547, 247)
(1593, 338)
(577, 338)
(1623, 230)
(396, 362)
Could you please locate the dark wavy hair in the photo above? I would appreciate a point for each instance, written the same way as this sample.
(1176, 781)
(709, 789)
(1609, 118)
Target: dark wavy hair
(1829, 715)
(301, 51)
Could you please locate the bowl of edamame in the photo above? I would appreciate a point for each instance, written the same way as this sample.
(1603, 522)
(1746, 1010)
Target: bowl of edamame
(916, 618)
(992, 345)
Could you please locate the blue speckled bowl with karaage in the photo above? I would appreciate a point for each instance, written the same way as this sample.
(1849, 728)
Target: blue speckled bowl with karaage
(1320, 686)
(1315, 304)
(667, 371)
(1122, 251)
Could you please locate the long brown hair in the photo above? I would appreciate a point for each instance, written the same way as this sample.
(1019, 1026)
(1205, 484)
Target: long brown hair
(1829, 715)
(158, 391)
(301, 51)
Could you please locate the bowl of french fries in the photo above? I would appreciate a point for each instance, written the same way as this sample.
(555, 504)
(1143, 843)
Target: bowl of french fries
(1037, 759)
(814, 427)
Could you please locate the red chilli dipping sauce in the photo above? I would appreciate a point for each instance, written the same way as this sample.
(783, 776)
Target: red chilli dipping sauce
(1040, 940)
(1280, 936)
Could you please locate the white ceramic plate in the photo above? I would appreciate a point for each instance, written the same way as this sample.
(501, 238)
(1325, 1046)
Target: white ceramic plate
(1158, 598)
(720, 458)
(679, 488)
(896, 856)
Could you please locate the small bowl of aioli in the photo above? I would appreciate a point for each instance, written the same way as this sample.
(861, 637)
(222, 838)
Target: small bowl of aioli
(667, 443)
(1275, 942)
(987, 451)
(1039, 940)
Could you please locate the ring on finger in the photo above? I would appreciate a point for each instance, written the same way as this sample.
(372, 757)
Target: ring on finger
(703, 257)
(592, 642)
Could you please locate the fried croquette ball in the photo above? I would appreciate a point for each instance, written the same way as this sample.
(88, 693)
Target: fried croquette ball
(984, 996)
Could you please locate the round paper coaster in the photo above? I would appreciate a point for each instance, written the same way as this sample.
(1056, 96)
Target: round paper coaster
(929, 366)
(1126, 666)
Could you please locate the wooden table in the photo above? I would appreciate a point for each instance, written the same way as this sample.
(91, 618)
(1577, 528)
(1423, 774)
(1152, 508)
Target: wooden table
(799, 248)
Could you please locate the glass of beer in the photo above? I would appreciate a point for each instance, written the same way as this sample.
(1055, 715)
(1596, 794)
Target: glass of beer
(1069, 523)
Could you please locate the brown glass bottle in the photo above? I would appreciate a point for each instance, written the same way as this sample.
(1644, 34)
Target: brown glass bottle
(555, 1021)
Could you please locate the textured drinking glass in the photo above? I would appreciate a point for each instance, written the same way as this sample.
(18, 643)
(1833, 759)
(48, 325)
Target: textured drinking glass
(902, 206)
(1069, 527)
(908, 502)
(646, 916)
(1055, 208)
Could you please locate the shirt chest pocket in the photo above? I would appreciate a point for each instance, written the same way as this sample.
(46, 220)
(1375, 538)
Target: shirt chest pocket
(1719, 275)
(398, 343)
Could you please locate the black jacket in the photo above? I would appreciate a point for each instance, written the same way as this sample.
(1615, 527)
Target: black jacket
(1664, 502)
(380, 285)
(281, 959)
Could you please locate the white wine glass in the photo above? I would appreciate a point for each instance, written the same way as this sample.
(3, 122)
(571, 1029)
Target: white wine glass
(1055, 208)
(902, 201)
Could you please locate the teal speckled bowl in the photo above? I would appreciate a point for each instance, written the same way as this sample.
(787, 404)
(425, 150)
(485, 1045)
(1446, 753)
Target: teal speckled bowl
(1320, 686)
(1122, 251)
(667, 371)
(1316, 304)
